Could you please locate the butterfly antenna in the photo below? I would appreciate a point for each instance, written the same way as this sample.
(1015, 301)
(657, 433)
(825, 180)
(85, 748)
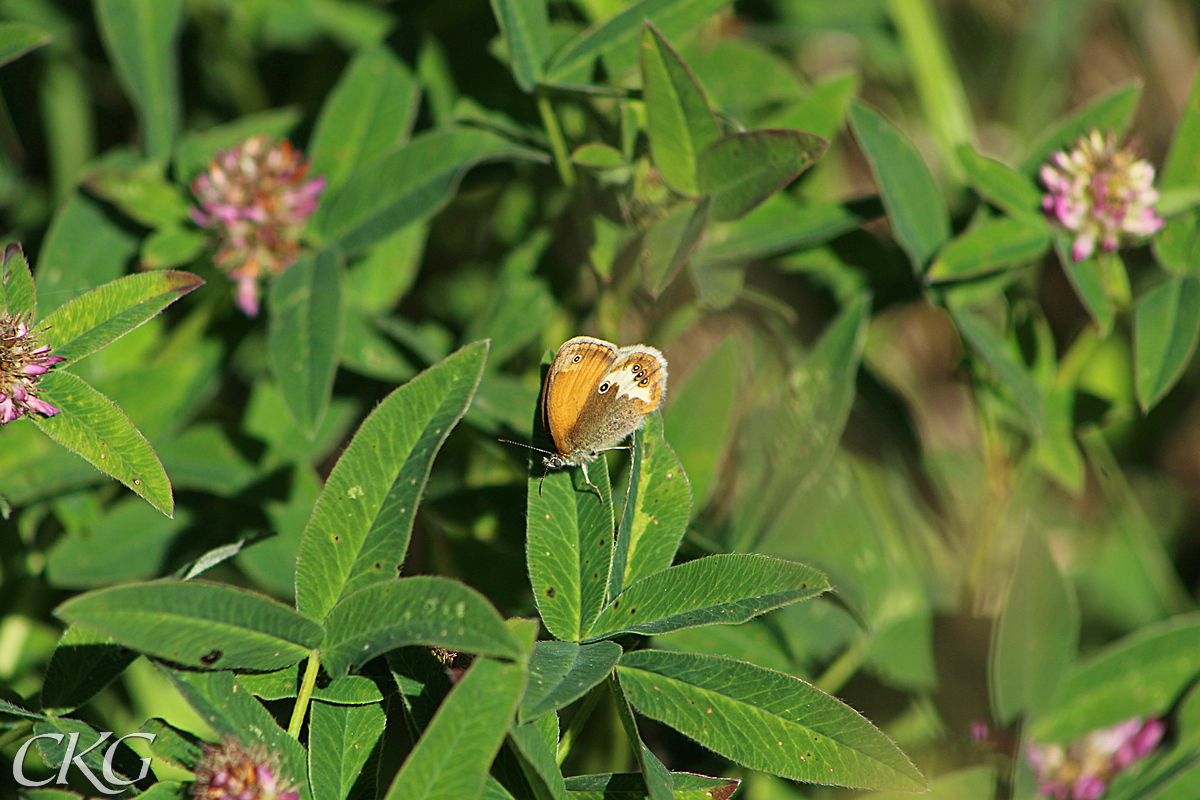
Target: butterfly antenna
(527, 446)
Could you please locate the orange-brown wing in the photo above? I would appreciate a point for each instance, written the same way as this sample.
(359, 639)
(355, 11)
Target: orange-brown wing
(577, 368)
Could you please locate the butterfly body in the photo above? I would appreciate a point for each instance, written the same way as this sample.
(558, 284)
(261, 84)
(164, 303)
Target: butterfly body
(596, 395)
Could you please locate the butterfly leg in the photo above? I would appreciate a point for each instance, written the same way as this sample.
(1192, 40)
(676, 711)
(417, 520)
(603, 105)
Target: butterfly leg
(588, 481)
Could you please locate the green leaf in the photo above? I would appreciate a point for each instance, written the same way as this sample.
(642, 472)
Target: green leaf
(1056, 450)
(916, 208)
(721, 589)
(758, 641)
(562, 672)
(17, 293)
(598, 156)
(141, 37)
(367, 351)
(820, 112)
(18, 38)
(231, 711)
(700, 413)
(996, 353)
(173, 745)
(718, 286)
(1182, 168)
(780, 225)
(451, 759)
(538, 760)
(1133, 581)
(305, 334)
(67, 111)
(993, 244)
(425, 609)
(93, 427)
(408, 184)
(106, 313)
(84, 662)
(765, 720)
(340, 739)
(1088, 280)
(797, 438)
(670, 242)
(744, 77)
(130, 542)
(202, 457)
(631, 786)
(142, 194)
(657, 509)
(525, 26)
(265, 419)
(358, 534)
(13, 708)
(1001, 185)
(969, 783)
(1031, 648)
(83, 249)
(197, 623)
(616, 37)
(172, 247)
(659, 782)
(421, 681)
(568, 547)
(1112, 112)
(1177, 245)
(521, 303)
(378, 280)
(370, 112)
(1166, 328)
(741, 170)
(679, 122)
(1141, 675)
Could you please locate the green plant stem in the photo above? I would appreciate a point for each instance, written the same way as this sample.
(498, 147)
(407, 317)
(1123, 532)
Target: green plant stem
(558, 145)
(582, 714)
(305, 694)
(844, 667)
(938, 85)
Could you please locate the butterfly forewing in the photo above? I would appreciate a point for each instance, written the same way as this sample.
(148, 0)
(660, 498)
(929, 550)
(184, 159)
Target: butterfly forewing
(577, 369)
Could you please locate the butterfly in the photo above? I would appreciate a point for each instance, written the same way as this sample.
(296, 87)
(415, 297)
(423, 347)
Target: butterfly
(596, 394)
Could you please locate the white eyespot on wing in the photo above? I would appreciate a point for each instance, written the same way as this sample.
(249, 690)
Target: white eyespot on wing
(624, 382)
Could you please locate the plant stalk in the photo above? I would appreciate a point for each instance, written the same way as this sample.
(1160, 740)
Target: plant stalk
(305, 694)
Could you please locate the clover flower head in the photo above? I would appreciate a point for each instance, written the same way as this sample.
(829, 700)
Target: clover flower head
(23, 361)
(1101, 193)
(256, 198)
(232, 771)
(1083, 769)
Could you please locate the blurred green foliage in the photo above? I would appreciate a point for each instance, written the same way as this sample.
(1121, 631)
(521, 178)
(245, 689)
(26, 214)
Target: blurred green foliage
(888, 368)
